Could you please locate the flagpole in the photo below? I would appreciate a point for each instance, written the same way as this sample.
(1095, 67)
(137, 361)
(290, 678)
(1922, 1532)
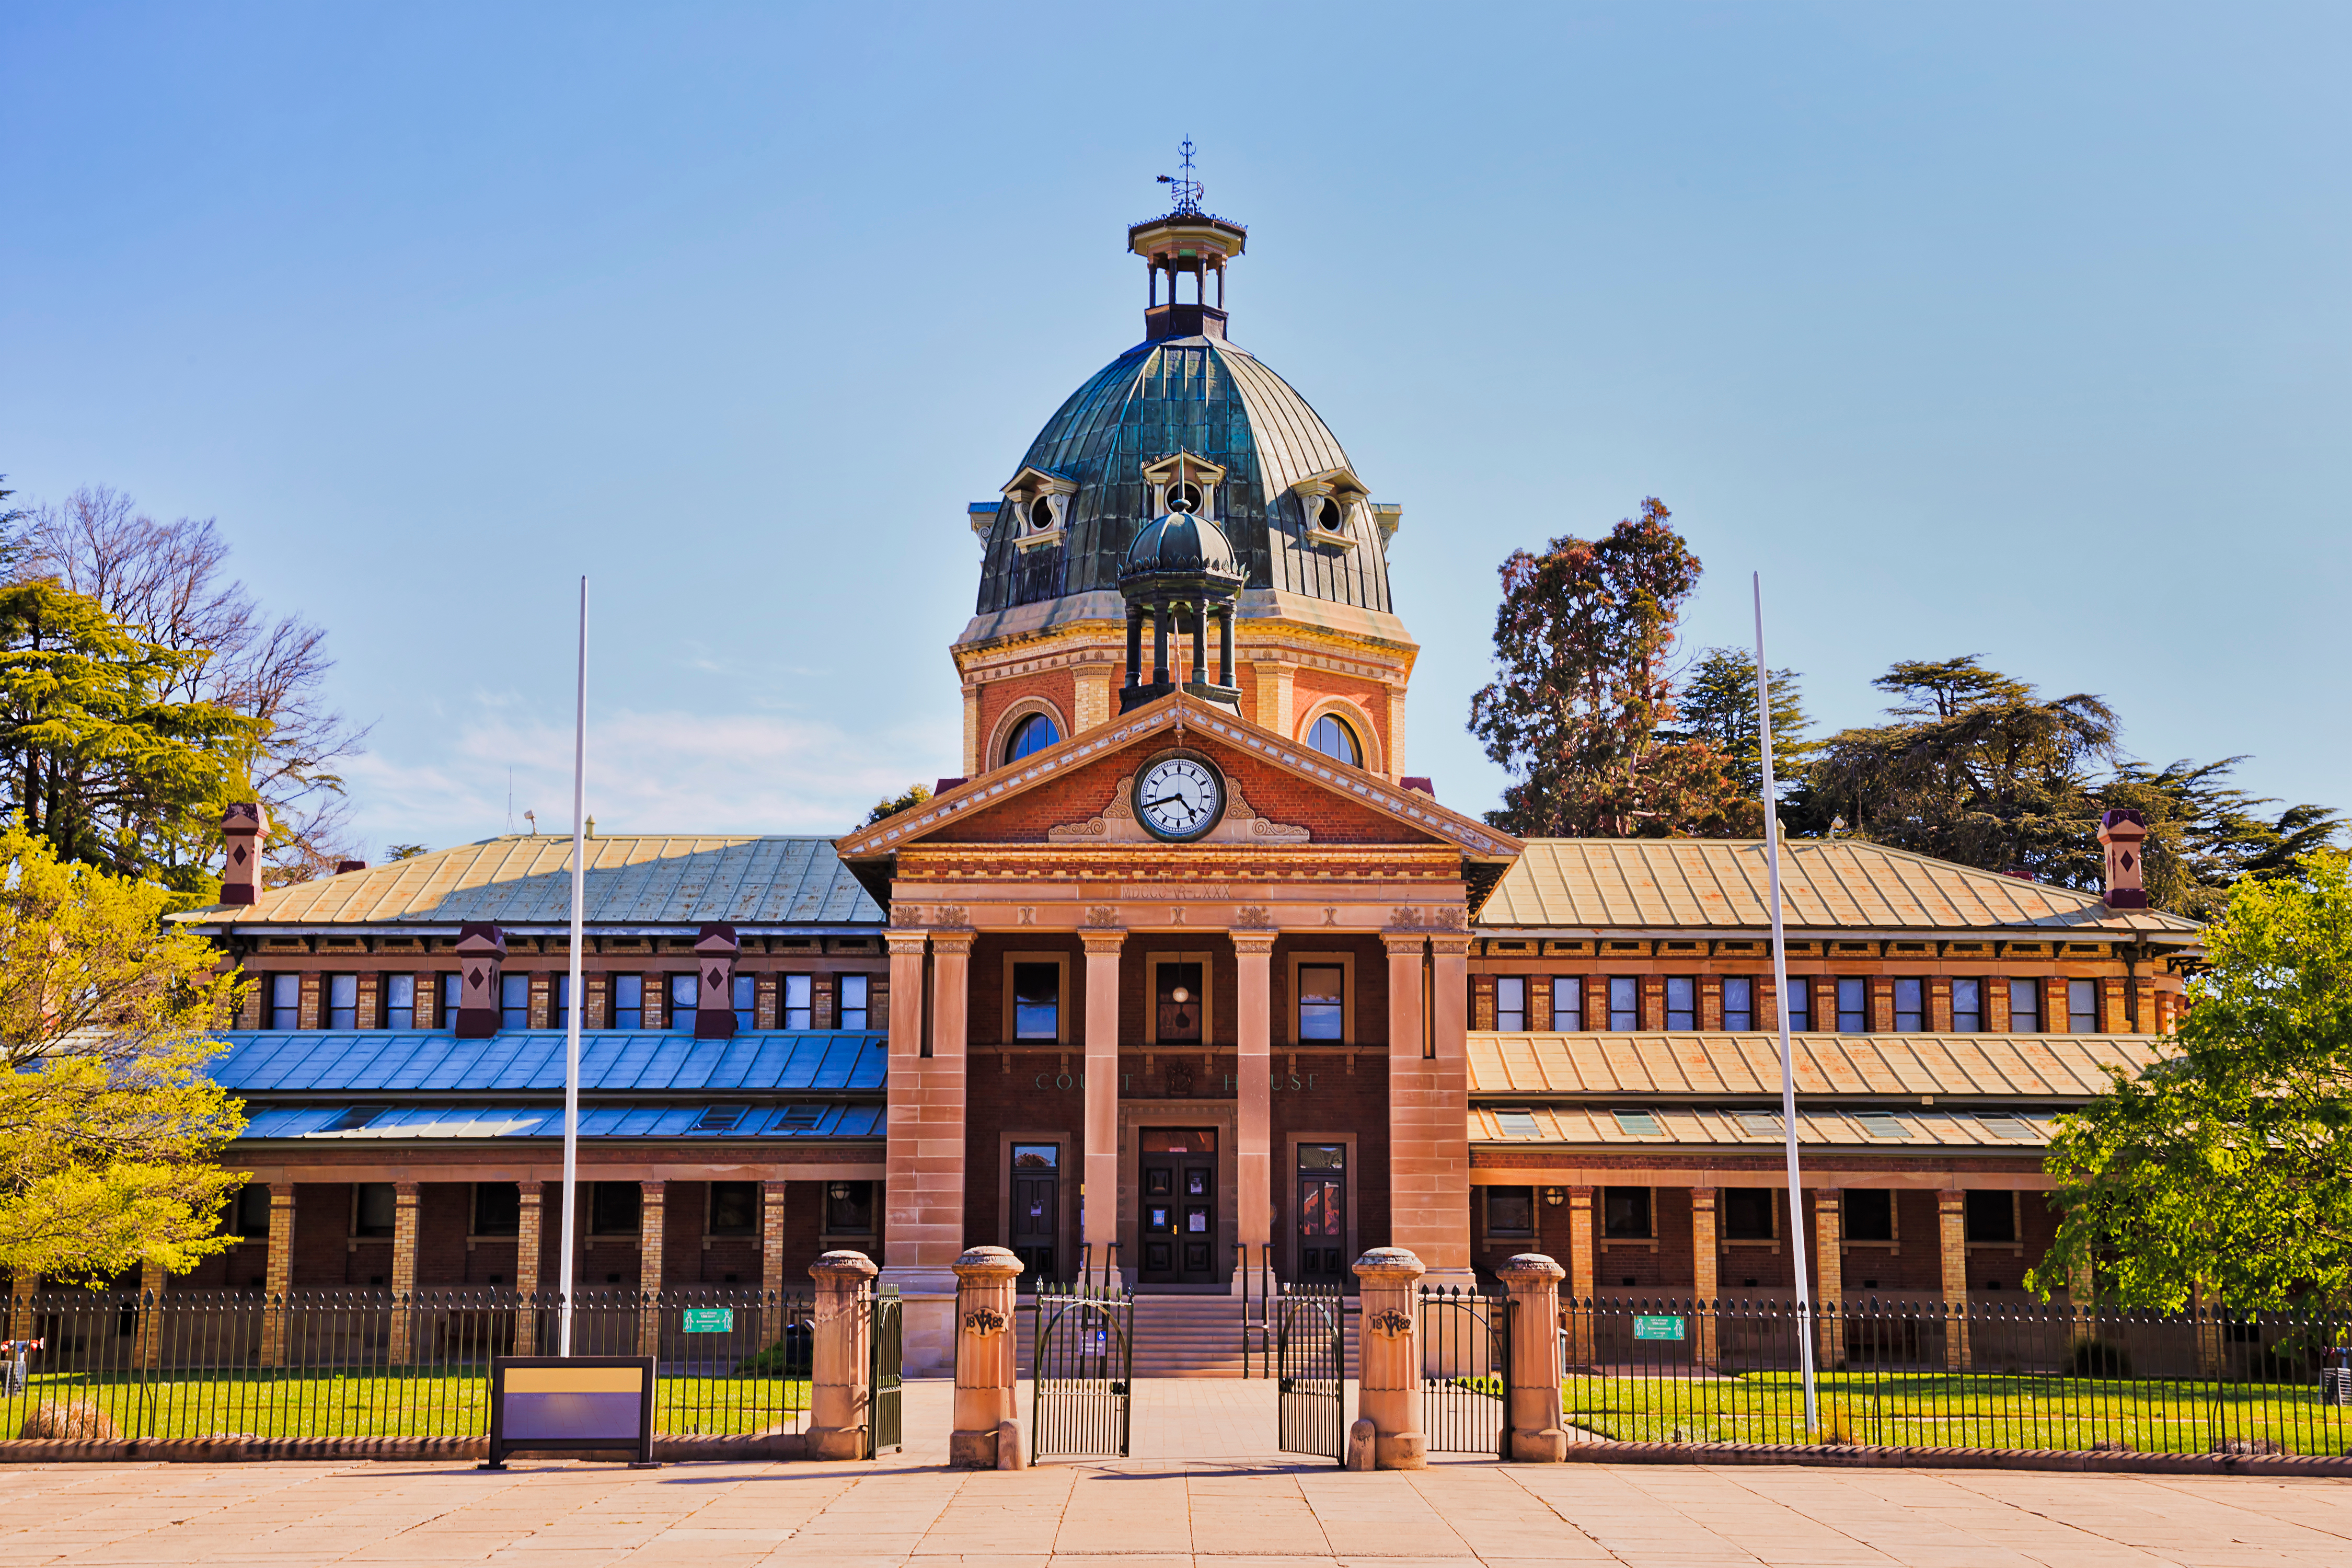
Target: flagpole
(578, 996)
(1780, 1006)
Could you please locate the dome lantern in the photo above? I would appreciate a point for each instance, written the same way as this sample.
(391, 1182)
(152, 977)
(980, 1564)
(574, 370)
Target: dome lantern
(1186, 242)
(1182, 573)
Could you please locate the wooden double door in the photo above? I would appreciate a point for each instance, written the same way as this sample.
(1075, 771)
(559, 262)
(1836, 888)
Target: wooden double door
(1176, 1216)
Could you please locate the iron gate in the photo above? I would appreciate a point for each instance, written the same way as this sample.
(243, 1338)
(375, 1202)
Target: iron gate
(883, 1425)
(1466, 1371)
(1085, 1371)
(1310, 1351)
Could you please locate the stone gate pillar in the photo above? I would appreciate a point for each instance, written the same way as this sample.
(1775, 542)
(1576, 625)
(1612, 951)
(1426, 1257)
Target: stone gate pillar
(985, 1406)
(1388, 1352)
(842, 1359)
(1538, 1429)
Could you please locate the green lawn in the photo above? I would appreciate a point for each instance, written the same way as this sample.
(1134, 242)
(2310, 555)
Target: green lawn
(455, 1403)
(1954, 1411)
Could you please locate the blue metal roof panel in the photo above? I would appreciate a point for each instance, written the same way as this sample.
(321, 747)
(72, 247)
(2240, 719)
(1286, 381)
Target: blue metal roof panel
(387, 1062)
(474, 1121)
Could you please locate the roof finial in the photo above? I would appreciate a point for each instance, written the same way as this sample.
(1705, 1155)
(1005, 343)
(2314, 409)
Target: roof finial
(1187, 190)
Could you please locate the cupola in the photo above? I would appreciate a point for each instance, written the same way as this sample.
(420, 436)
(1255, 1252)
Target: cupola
(1181, 573)
(1185, 243)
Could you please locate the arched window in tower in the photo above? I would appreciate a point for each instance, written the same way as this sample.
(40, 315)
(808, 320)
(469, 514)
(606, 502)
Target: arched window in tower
(1033, 733)
(1330, 518)
(1184, 496)
(1041, 514)
(1332, 737)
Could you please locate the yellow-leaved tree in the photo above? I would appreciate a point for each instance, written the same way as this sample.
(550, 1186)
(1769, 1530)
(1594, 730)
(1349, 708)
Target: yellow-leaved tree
(108, 1128)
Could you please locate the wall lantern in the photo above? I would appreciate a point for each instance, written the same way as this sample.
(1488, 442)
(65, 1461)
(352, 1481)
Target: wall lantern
(838, 1190)
(1555, 1196)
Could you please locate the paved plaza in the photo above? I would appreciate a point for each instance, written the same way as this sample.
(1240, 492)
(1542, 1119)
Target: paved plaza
(1200, 1491)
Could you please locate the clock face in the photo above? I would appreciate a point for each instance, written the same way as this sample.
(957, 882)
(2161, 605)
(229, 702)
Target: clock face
(1178, 797)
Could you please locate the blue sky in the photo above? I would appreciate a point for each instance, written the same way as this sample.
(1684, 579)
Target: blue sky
(2012, 330)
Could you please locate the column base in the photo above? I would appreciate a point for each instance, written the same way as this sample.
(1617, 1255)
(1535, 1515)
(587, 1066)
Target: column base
(1549, 1447)
(1400, 1451)
(836, 1442)
(973, 1450)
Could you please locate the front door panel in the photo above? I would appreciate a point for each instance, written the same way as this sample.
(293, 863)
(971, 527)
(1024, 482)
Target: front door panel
(1037, 1212)
(1323, 1213)
(1177, 1207)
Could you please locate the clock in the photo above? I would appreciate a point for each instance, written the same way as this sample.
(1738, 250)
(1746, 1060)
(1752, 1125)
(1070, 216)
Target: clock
(1180, 797)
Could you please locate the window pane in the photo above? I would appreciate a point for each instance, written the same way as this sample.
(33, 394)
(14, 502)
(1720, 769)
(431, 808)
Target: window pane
(1738, 1001)
(685, 990)
(1322, 1002)
(1033, 733)
(628, 1001)
(849, 1207)
(1036, 1156)
(1334, 738)
(2082, 1007)
(342, 1001)
(253, 1209)
(613, 1208)
(1626, 1211)
(1800, 1005)
(734, 1208)
(747, 995)
(375, 1204)
(1992, 1215)
(1625, 1003)
(1322, 1156)
(1910, 1005)
(1869, 1214)
(497, 1208)
(1747, 1213)
(1510, 1001)
(1853, 1006)
(1567, 1003)
(400, 1001)
(793, 1004)
(1036, 1001)
(285, 1001)
(2025, 1006)
(514, 1001)
(1510, 1211)
(854, 1015)
(452, 996)
(1967, 1006)
(1682, 1002)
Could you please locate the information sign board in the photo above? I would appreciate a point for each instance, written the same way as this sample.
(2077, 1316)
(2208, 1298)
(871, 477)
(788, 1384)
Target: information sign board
(1657, 1328)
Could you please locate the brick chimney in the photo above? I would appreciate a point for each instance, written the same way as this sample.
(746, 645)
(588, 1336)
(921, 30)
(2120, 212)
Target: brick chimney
(243, 825)
(2122, 831)
(714, 1006)
(481, 948)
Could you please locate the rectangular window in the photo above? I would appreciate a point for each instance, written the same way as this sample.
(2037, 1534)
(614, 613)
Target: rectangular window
(1910, 1005)
(794, 1008)
(849, 1208)
(1682, 1002)
(342, 1001)
(1625, 1213)
(562, 1019)
(1517, 1124)
(1738, 1001)
(1881, 1124)
(1750, 1213)
(1323, 1001)
(614, 1208)
(498, 1209)
(1510, 1004)
(628, 1001)
(2025, 1006)
(1992, 1215)
(1624, 1004)
(1567, 1003)
(747, 1000)
(734, 1208)
(514, 1001)
(684, 992)
(1510, 1211)
(1800, 1004)
(285, 1001)
(2082, 1007)
(453, 996)
(252, 1210)
(854, 1015)
(400, 1001)
(1638, 1124)
(1036, 1001)
(1968, 1006)
(1869, 1214)
(373, 1206)
(1853, 1006)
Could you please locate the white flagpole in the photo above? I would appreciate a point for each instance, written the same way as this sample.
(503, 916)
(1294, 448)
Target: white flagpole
(579, 995)
(1780, 1006)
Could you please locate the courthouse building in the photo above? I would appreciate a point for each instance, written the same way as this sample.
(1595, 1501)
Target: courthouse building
(1187, 972)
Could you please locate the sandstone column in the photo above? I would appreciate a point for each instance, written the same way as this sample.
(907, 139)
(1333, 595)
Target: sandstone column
(1446, 1252)
(404, 1273)
(1829, 1274)
(1389, 1351)
(1952, 1235)
(1098, 1190)
(1580, 1275)
(1706, 1282)
(1538, 1429)
(923, 1212)
(529, 1247)
(1429, 1104)
(279, 1274)
(985, 1405)
(1253, 1063)
(842, 1358)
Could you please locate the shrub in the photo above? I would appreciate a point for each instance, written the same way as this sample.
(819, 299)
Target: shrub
(2100, 1358)
(76, 1418)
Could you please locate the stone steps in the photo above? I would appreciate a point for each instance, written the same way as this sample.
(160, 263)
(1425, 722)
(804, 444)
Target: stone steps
(1181, 1336)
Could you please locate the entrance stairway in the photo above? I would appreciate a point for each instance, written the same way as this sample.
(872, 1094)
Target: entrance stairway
(1182, 1336)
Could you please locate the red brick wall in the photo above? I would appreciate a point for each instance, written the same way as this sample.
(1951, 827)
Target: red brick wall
(1310, 686)
(1338, 1100)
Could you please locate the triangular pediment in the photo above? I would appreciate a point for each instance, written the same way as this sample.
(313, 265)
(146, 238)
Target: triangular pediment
(1283, 795)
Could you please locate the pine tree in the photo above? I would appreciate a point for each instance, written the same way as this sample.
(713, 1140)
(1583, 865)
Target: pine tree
(1717, 705)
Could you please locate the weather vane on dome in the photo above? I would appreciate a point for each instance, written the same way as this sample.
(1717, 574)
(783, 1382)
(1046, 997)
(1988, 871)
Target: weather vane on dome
(1182, 185)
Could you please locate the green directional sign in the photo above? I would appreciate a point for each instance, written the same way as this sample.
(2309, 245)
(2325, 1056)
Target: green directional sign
(722, 1321)
(1657, 1328)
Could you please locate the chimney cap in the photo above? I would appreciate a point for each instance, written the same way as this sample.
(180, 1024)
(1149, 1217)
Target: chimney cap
(244, 816)
(343, 866)
(481, 936)
(2123, 823)
(717, 936)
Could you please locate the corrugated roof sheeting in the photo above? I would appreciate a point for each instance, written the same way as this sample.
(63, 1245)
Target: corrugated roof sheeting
(1721, 884)
(1723, 1130)
(2069, 1067)
(460, 1121)
(611, 1061)
(526, 880)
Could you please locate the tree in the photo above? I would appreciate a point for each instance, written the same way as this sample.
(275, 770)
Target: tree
(1717, 705)
(891, 806)
(1582, 709)
(96, 756)
(2227, 1166)
(108, 1128)
(169, 581)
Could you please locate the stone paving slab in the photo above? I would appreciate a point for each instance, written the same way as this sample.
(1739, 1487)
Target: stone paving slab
(1204, 1490)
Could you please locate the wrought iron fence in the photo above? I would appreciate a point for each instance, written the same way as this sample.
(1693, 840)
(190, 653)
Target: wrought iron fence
(337, 1363)
(1465, 1366)
(1083, 1371)
(1937, 1376)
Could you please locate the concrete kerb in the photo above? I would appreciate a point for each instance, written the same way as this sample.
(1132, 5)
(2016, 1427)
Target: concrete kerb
(1608, 1451)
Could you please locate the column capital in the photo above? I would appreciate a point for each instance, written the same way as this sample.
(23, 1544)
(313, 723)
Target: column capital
(1404, 944)
(1392, 1265)
(1528, 1268)
(906, 943)
(1449, 945)
(1100, 941)
(953, 944)
(988, 1263)
(843, 1265)
(1255, 941)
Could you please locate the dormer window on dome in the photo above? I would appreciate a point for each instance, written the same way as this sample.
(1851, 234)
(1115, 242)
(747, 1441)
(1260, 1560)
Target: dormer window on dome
(1040, 502)
(1333, 504)
(1185, 484)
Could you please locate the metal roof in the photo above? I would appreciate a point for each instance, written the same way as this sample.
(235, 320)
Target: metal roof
(318, 1122)
(1686, 884)
(1723, 1130)
(2061, 1066)
(632, 879)
(612, 1061)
